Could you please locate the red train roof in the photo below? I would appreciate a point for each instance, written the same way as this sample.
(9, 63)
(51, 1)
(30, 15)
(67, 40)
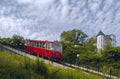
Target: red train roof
(46, 41)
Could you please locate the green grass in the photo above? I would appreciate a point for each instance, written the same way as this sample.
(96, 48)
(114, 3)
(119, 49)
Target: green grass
(17, 67)
(60, 73)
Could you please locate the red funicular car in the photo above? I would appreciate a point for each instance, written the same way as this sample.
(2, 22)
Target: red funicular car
(47, 49)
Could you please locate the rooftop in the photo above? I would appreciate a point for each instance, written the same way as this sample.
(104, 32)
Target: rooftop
(100, 33)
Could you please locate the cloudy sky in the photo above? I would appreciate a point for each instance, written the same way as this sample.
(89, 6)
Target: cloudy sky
(47, 19)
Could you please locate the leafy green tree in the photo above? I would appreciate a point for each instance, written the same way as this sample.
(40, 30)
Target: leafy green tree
(91, 44)
(17, 40)
(70, 51)
(112, 55)
(5, 40)
(66, 45)
(75, 36)
(68, 54)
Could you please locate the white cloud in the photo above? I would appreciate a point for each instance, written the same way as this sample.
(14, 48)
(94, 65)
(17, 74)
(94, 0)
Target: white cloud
(47, 19)
(64, 2)
(25, 1)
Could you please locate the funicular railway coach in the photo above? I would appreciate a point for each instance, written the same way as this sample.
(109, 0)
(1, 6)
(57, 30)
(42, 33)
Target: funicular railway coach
(43, 48)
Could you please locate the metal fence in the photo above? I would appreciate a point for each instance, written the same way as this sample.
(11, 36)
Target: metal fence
(105, 70)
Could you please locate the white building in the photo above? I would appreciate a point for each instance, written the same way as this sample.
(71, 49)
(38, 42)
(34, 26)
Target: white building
(103, 40)
(100, 41)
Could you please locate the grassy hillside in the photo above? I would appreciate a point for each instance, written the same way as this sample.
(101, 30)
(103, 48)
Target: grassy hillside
(16, 67)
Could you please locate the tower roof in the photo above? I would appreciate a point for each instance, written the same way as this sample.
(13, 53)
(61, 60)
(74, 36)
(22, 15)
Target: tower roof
(100, 33)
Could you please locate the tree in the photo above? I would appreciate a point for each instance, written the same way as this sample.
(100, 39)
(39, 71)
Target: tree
(70, 54)
(17, 40)
(70, 51)
(91, 44)
(5, 40)
(77, 37)
(66, 45)
(112, 54)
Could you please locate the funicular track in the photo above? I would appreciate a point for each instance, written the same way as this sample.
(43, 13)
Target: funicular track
(22, 52)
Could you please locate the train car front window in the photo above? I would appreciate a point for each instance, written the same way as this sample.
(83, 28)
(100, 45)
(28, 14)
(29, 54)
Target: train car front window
(57, 47)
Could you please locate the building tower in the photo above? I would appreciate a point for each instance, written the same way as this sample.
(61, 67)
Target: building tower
(100, 41)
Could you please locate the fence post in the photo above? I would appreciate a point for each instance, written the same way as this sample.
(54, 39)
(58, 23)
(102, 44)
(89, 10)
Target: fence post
(98, 70)
(110, 73)
(0, 47)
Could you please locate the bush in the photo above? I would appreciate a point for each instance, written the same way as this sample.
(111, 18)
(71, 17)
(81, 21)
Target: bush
(40, 68)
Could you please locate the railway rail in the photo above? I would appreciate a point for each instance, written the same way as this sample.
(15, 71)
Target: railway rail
(57, 62)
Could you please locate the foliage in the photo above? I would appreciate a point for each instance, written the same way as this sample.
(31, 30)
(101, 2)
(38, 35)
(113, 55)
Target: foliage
(70, 51)
(112, 56)
(91, 44)
(75, 36)
(17, 40)
(7, 40)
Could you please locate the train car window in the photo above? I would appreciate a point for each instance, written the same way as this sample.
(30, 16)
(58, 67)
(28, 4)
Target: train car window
(40, 44)
(57, 47)
(37, 44)
(51, 46)
(43, 45)
(30, 43)
(48, 46)
(33, 43)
